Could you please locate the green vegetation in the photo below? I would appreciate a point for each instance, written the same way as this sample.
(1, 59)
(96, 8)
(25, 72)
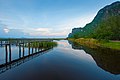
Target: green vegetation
(94, 43)
(42, 44)
(103, 31)
(106, 25)
(112, 45)
(108, 29)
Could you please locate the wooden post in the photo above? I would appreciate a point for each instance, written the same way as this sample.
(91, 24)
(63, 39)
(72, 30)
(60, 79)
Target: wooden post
(35, 47)
(41, 46)
(6, 57)
(38, 46)
(32, 47)
(9, 52)
(19, 50)
(23, 50)
(29, 48)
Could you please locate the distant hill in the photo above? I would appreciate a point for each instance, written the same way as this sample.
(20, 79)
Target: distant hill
(105, 25)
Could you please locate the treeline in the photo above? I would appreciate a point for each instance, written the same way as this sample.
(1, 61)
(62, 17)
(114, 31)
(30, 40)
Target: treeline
(108, 29)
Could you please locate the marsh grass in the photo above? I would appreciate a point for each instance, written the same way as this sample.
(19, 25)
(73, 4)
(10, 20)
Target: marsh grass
(94, 43)
(111, 44)
(42, 44)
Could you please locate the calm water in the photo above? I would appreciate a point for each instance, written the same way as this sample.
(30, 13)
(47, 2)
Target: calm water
(65, 62)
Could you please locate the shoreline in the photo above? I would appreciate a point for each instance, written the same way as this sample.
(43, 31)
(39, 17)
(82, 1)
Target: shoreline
(94, 43)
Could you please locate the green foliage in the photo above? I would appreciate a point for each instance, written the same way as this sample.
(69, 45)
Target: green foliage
(106, 25)
(76, 36)
(108, 29)
(42, 44)
(94, 43)
(112, 45)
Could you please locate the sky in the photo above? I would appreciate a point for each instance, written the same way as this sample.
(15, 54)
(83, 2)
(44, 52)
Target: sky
(46, 18)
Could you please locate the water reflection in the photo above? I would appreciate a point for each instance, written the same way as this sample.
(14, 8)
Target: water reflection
(60, 63)
(107, 59)
(19, 61)
(18, 55)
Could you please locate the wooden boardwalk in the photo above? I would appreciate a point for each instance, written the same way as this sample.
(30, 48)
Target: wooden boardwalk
(6, 66)
(20, 43)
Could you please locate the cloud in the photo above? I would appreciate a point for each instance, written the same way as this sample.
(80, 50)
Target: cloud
(21, 27)
(18, 33)
(44, 32)
(43, 29)
(32, 32)
(6, 30)
(2, 32)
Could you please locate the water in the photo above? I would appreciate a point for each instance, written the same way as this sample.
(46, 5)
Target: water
(66, 62)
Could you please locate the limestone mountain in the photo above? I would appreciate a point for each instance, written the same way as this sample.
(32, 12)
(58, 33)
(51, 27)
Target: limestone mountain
(105, 25)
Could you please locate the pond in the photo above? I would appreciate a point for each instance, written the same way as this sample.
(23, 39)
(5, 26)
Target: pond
(67, 61)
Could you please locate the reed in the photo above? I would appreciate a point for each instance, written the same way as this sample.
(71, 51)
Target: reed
(41, 44)
(94, 43)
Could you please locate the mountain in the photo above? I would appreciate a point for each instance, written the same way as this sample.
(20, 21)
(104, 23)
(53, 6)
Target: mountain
(105, 25)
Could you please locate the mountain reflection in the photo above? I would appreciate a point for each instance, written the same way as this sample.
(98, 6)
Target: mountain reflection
(107, 59)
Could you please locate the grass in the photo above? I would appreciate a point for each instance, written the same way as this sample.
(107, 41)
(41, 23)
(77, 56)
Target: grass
(42, 44)
(111, 44)
(93, 43)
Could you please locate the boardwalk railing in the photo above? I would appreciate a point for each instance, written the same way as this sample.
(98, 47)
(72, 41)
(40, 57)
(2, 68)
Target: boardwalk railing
(19, 61)
(32, 52)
